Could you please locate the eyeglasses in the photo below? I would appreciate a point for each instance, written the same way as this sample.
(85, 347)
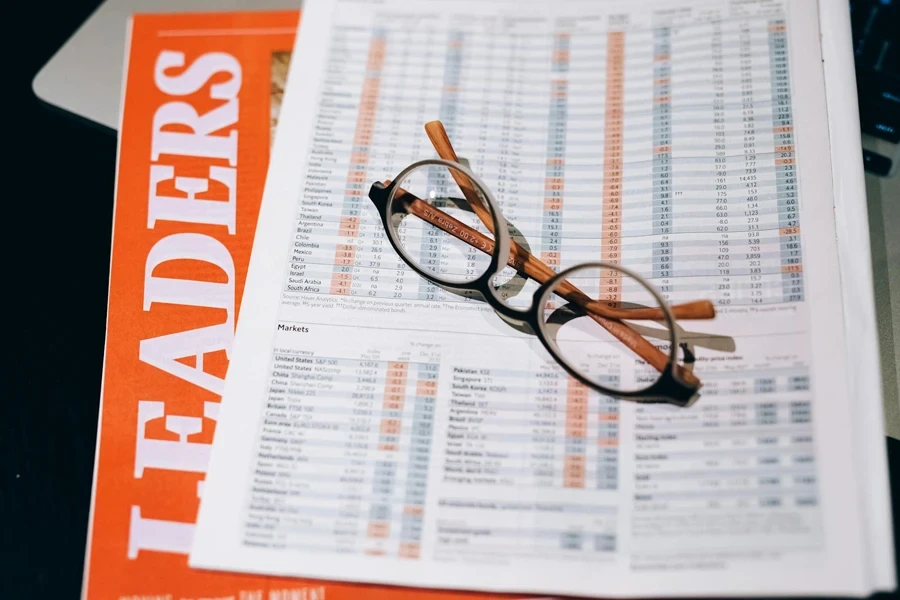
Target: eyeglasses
(593, 318)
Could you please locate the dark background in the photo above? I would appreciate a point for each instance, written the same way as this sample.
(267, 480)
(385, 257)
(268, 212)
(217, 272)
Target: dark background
(57, 198)
(56, 220)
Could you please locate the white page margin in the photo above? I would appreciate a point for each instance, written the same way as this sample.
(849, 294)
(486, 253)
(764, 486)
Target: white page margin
(852, 230)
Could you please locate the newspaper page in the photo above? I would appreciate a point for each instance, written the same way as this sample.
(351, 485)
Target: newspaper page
(185, 216)
(376, 428)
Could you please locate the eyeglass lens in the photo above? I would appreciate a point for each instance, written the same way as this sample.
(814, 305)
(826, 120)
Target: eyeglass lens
(422, 232)
(580, 339)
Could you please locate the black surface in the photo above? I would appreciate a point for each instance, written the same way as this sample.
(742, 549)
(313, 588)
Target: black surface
(876, 163)
(876, 42)
(57, 210)
(879, 104)
(57, 196)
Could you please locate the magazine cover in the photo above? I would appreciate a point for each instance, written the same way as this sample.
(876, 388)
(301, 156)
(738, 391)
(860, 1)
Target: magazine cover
(201, 100)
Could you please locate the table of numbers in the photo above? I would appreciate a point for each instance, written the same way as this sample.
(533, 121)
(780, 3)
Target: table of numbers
(530, 428)
(342, 463)
(745, 456)
(532, 431)
(664, 144)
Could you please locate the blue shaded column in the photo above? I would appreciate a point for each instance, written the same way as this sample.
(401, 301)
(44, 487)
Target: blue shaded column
(554, 186)
(439, 177)
(785, 165)
(662, 157)
(419, 455)
(608, 439)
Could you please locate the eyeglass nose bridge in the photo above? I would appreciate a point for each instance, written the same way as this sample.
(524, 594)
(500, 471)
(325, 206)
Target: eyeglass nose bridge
(670, 388)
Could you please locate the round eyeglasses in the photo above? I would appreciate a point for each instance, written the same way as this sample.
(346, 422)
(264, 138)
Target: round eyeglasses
(593, 318)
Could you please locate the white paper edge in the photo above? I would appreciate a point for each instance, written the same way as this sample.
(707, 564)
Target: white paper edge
(112, 237)
(855, 269)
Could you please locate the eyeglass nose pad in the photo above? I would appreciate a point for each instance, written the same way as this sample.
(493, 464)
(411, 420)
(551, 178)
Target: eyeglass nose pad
(463, 161)
(376, 189)
(689, 356)
(378, 194)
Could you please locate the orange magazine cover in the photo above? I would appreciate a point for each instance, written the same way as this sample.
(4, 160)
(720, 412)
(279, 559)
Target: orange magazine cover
(201, 100)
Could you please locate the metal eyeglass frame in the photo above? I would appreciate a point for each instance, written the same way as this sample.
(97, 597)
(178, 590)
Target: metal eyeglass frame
(668, 388)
